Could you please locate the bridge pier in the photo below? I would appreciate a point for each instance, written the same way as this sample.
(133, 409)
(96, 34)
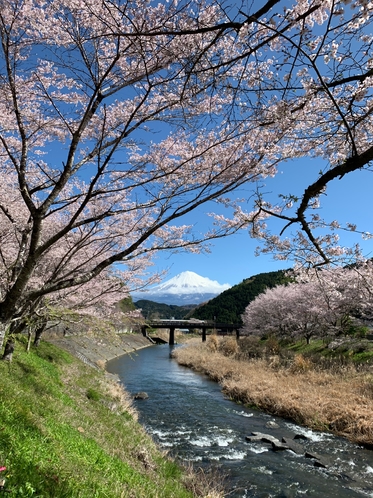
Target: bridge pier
(171, 341)
(204, 334)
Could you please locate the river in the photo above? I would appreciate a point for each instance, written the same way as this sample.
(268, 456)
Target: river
(187, 414)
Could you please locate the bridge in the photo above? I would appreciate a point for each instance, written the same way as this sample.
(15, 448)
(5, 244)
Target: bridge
(203, 325)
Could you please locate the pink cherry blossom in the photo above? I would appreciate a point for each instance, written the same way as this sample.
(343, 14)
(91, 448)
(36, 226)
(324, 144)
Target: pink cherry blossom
(118, 119)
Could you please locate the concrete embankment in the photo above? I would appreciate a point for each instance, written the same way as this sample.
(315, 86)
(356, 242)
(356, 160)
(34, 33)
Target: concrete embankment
(97, 351)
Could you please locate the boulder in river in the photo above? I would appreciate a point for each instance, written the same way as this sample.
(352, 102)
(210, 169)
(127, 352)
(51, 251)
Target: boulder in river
(272, 425)
(293, 446)
(319, 461)
(141, 395)
(301, 436)
(288, 444)
(267, 438)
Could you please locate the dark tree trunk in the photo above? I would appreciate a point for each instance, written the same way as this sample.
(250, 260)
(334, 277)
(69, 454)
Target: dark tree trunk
(38, 333)
(8, 350)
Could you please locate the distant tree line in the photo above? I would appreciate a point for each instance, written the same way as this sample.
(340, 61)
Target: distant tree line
(153, 311)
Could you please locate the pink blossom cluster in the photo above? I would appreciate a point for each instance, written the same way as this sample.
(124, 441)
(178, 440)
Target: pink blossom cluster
(321, 302)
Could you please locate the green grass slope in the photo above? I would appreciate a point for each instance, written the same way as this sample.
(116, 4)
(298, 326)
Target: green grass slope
(67, 431)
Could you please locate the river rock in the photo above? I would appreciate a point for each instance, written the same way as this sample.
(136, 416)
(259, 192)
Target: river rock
(141, 395)
(319, 461)
(301, 436)
(253, 439)
(267, 438)
(272, 425)
(293, 446)
(278, 445)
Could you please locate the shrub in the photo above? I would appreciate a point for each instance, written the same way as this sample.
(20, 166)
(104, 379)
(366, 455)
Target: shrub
(93, 394)
(356, 330)
(213, 342)
(361, 332)
(250, 347)
(228, 346)
(301, 364)
(273, 346)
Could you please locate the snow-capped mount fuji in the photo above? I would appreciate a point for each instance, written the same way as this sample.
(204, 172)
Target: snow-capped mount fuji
(185, 288)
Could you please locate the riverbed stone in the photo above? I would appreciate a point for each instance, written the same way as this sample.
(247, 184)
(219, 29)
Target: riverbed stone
(319, 461)
(293, 446)
(278, 445)
(141, 395)
(272, 425)
(301, 436)
(267, 438)
(253, 439)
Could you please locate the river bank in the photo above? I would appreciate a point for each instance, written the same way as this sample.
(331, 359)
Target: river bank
(340, 402)
(97, 350)
(70, 430)
(187, 414)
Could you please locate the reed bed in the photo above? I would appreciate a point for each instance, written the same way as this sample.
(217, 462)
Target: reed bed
(338, 400)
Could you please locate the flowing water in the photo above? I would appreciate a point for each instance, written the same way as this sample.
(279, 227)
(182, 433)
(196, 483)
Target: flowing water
(187, 414)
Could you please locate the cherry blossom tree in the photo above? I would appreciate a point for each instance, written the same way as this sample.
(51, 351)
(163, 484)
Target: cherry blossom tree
(293, 310)
(84, 87)
(321, 302)
(266, 314)
(318, 91)
(96, 298)
(120, 118)
(347, 291)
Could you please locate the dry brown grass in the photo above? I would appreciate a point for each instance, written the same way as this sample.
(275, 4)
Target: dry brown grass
(208, 483)
(122, 400)
(339, 402)
(101, 364)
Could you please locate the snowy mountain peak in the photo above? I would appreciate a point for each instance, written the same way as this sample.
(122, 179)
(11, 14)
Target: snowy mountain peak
(187, 282)
(186, 287)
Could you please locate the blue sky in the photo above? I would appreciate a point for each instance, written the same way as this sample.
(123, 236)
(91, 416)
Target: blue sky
(232, 259)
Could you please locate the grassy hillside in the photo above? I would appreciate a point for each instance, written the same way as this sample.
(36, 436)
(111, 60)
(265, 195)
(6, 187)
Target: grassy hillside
(230, 304)
(67, 431)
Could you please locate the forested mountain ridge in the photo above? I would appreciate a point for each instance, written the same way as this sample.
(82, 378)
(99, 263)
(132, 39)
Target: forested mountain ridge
(230, 304)
(152, 310)
(227, 307)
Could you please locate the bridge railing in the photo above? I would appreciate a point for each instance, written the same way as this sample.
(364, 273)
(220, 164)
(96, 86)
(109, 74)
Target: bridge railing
(172, 325)
(192, 324)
